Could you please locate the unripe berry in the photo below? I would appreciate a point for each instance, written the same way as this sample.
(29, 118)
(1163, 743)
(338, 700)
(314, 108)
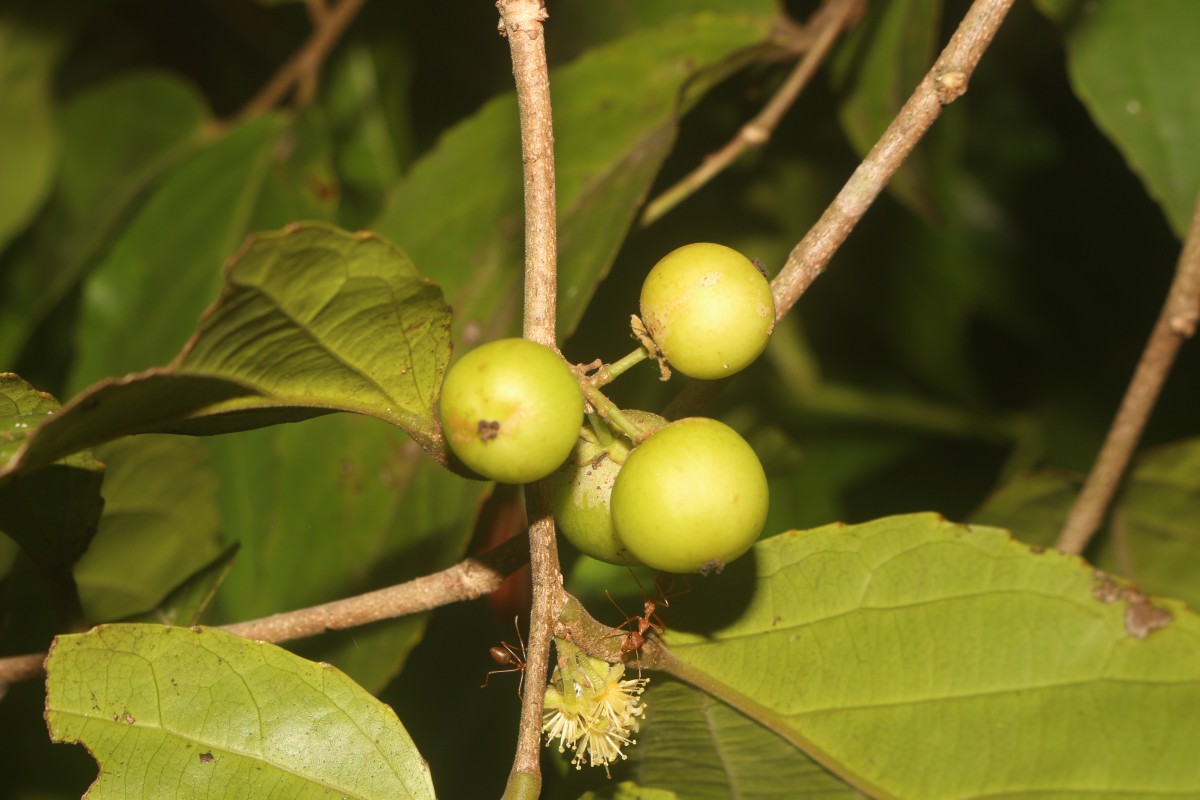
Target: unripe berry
(709, 310)
(511, 410)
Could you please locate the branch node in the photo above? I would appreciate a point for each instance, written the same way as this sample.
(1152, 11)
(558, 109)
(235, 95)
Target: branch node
(1184, 325)
(951, 85)
(755, 135)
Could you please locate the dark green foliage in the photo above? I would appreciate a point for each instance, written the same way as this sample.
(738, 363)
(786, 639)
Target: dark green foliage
(964, 353)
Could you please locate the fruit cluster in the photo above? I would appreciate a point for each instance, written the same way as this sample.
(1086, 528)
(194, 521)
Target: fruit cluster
(630, 487)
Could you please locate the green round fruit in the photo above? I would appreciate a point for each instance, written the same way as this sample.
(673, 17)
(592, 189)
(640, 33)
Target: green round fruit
(511, 410)
(581, 488)
(709, 310)
(691, 498)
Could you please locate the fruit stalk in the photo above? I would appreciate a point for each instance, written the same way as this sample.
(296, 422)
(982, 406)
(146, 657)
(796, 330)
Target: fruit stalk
(608, 410)
(610, 372)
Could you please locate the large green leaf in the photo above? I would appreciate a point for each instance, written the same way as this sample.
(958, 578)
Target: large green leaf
(1150, 535)
(334, 507)
(311, 320)
(52, 512)
(459, 212)
(112, 151)
(142, 302)
(28, 136)
(705, 749)
(179, 712)
(920, 659)
(160, 525)
(1132, 63)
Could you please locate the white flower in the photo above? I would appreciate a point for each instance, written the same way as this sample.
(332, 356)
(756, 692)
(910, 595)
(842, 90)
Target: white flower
(591, 708)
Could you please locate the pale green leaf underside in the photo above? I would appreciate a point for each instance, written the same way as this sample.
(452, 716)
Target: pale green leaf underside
(921, 659)
(705, 750)
(312, 320)
(1152, 535)
(199, 713)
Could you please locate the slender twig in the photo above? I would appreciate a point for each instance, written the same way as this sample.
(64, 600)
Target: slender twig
(468, 579)
(945, 82)
(1176, 322)
(521, 21)
(306, 83)
(306, 61)
(829, 21)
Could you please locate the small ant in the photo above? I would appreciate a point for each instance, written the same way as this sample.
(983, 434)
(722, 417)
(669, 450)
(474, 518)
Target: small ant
(506, 656)
(649, 620)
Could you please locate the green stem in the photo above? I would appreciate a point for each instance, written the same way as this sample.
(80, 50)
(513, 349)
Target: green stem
(523, 786)
(611, 413)
(603, 433)
(610, 372)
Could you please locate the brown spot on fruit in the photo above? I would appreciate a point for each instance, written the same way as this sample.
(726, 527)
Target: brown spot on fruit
(487, 430)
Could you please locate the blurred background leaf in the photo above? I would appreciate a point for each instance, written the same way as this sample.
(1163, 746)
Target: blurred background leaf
(51, 513)
(882, 59)
(29, 51)
(112, 151)
(142, 302)
(160, 525)
(1131, 63)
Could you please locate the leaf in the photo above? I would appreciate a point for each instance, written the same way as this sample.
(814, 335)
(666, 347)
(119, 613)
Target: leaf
(28, 139)
(311, 320)
(141, 303)
(186, 603)
(889, 650)
(1131, 64)
(335, 507)
(1150, 532)
(876, 69)
(166, 708)
(112, 151)
(366, 97)
(1154, 529)
(160, 524)
(1034, 503)
(51, 513)
(459, 211)
(709, 750)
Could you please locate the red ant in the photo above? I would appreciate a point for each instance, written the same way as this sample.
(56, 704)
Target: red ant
(506, 656)
(636, 637)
